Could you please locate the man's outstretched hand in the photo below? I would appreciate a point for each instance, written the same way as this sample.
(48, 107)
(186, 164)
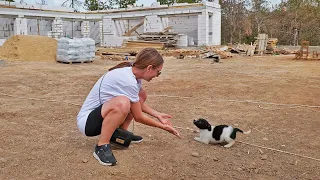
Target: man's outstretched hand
(164, 119)
(172, 130)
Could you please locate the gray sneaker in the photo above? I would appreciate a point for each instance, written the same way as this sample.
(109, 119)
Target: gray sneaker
(104, 155)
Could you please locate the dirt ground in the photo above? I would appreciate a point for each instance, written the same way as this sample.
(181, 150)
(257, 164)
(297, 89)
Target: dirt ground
(39, 102)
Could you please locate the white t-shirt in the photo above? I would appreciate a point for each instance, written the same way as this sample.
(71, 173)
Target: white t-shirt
(118, 82)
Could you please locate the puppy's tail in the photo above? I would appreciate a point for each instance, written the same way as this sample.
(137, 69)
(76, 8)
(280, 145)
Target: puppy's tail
(235, 130)
(247, 132)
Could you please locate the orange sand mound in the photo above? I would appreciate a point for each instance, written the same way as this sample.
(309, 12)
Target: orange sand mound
(29, 48)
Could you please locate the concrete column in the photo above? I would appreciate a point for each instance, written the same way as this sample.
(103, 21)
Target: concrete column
(203, 28)
(85, 29)
(6, 28)
(165, 22)
(108, 26)
(20, 26)
(211, 35)
(57, 28)
(101, 32)
(120, 27)
(216, 27)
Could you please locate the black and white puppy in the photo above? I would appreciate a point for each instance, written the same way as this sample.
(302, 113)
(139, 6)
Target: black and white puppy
(216, 134)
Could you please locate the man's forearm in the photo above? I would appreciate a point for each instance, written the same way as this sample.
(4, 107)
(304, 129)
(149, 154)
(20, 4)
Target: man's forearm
(150, 122)
(146, 109)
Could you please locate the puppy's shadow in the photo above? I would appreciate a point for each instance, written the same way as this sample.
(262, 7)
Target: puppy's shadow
(221, 144)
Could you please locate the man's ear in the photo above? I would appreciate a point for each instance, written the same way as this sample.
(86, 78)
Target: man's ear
(149, 67)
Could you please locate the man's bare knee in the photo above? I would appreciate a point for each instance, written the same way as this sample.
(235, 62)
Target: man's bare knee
(123, 106)
(120, 104)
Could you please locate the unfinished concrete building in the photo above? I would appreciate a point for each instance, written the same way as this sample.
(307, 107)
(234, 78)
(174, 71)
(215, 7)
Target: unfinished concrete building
(197, 24)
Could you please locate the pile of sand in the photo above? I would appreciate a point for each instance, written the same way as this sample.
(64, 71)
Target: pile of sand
(29, 48)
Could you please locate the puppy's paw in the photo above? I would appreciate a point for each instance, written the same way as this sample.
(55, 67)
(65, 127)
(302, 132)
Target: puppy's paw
(229, 144)
(200, 140)
(197, 139)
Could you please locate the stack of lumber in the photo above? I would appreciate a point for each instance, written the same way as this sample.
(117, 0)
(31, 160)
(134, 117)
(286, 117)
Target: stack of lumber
(144, 44)
(159, 37)
(157, 40)
(112, 54)
(168, 38)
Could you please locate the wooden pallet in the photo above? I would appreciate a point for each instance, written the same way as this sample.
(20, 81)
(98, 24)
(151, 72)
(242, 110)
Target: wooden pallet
(158, 39)
(156, 36)
(75, 62)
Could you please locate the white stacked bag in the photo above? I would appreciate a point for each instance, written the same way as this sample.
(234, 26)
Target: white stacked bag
(75, 50)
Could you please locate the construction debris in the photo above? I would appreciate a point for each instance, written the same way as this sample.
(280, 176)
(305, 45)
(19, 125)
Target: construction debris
(271, 45)
(261, 43)
(216, 53)
(304, 53)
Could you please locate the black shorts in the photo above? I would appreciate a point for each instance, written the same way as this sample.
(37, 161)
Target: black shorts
(94, 122)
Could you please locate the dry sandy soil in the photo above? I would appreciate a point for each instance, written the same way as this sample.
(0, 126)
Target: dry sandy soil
(39, 102)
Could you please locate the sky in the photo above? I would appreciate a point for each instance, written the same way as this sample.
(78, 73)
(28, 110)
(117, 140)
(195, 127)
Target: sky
(139, 2)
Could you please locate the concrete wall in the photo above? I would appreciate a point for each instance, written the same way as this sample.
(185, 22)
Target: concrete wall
(216, 27)
(203, 29)
(110, 33)
(134, 22)
(6, 28)
(95, 32)
(72, 29)
(113, 29)
(185, 25)
(44, 27)
(153, 23)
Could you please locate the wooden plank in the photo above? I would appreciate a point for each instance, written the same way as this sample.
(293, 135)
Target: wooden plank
(166, 29)
(157, 36)
(141, 44)
(149, 42)
(160, 33)
(134, 29)
(115, 53)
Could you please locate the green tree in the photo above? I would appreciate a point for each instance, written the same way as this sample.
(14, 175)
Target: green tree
(93, 5)
(124, 3)
(258, 14)
(75, 4)
(299, 21)
(235, 23)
